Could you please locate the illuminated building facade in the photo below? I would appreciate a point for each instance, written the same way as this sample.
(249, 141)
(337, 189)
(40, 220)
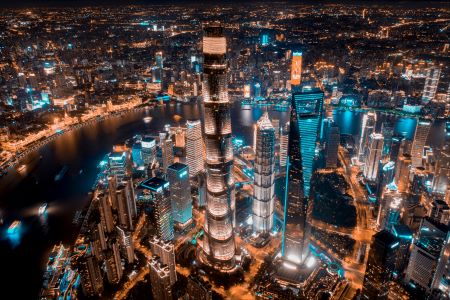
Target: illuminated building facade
(126, 244)
(166, 145)
(157, 68)
(180, 194)
(264, 39)
(389, 210)
(368, 127)
(380, 265)
(405, 236)
(372, 159)
(118, 164)
(420, 138)
(148, 145)
(114, 269)
(105, 210)
(166, 253)
(247, 91)
(91, 277)
(425, 254)
(219, 245)
(160, 195)
(160, 279)
(305, 120)
(194, 147)
(402, 169)
(441, 280)
(431, 84)
(296, 68)
(441, 180)
(264, 177)
(284, 143)
(126, 205)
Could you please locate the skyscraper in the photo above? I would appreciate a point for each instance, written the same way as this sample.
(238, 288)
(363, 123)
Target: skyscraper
(160, 195)
(420, 138)
(441, 180)
(284, 143)
(264, 176)
(160, 280)
(166, 145)
(333, 139)
(180, 194)
(126, 205)
(305, 120)
(389, 210)
(157, 68)
(402, 169)
(425, 254)
(219, 245)
(114, 270)
(372, 159)
(194, 147)
(148, 145)
(126, 244)
(368, 127)
(296, 68)
(166, 253)
(106, 216)
(91, 278)
(380, 265)
(118, 161)
(198, 289)
(431, 84)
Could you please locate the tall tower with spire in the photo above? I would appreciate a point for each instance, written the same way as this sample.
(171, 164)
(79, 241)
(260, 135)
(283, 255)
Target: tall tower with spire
(264, 177)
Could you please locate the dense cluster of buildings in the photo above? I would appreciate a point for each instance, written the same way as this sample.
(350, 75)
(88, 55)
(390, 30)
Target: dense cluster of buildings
(178, 194)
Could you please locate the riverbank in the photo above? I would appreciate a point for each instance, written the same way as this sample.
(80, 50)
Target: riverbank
(36, 145)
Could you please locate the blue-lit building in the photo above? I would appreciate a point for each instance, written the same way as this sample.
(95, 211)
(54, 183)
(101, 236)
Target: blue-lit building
(159, 192)
(136, 155)
(264, 39)
(305, 121)
(180, 194)
(117, 161)
(149, 150)
(405, 236)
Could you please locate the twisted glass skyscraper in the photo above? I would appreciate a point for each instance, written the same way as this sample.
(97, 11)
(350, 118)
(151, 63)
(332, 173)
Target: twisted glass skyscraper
(305, 120)
(219, 245)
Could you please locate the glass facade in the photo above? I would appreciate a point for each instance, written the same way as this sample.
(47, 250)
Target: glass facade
(180, 193)
(305, 120)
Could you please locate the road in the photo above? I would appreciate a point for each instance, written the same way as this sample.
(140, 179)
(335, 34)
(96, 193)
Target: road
(363, 231)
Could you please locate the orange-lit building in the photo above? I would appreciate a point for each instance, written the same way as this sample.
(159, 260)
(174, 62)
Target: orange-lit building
(296, 68)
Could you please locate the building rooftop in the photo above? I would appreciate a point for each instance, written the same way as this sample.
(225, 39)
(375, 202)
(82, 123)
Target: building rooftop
(155, 184)
(385, 237)
(402, 231)
(177, 166)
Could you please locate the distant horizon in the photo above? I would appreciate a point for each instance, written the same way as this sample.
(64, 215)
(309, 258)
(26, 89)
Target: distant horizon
(93, 3)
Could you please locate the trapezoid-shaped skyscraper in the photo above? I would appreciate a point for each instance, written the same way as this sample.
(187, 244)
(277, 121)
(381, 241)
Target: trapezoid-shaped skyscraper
(305, 120)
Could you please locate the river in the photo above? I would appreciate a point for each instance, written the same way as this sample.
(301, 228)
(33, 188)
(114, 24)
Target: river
(23, 257)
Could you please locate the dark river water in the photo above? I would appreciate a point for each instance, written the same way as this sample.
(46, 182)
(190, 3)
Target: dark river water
(23, 256)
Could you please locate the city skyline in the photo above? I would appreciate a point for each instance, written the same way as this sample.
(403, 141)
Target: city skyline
(225, 151)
